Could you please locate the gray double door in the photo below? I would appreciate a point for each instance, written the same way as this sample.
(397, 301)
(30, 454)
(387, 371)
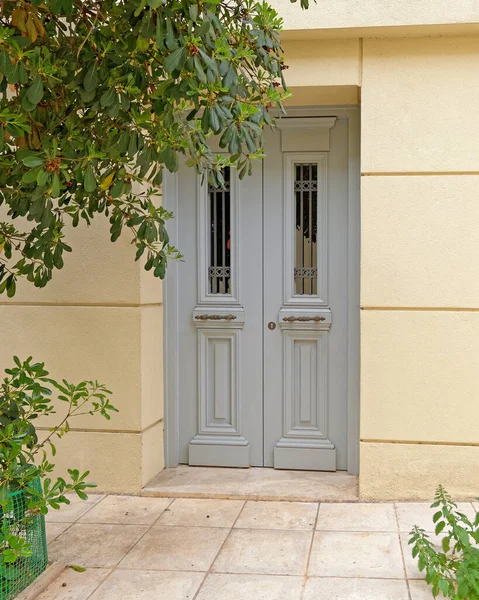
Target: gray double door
(262, 306)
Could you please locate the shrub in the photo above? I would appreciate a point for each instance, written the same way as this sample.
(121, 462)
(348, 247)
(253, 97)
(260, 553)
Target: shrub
(452, 570)
(27, 490)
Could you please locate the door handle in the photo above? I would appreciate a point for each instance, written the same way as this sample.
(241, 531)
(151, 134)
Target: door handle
(215, 317)
(303, 319)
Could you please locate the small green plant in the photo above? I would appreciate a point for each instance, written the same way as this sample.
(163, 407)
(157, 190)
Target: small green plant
(453, 569)
(26, 394)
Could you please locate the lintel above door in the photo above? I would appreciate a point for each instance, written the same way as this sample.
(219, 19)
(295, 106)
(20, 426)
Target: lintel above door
(305, 134)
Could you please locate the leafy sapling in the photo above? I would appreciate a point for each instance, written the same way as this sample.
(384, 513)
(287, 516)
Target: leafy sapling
(26, 395)
(453, 569)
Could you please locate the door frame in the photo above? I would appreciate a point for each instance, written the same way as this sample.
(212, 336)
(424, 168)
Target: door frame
(170, 295)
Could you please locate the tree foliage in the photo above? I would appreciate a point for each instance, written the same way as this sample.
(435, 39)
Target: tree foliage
(97, 97)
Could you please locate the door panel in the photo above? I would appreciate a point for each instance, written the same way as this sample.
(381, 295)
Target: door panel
(220, 311)
(305, 241)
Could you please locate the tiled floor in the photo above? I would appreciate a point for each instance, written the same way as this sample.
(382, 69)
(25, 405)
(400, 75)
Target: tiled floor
(212, 549)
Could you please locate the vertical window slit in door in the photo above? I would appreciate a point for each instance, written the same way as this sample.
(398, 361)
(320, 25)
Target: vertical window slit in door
(219, 271)
(306, 207)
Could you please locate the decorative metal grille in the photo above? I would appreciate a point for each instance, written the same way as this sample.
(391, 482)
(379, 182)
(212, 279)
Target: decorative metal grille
(219, 271)
(305, 188)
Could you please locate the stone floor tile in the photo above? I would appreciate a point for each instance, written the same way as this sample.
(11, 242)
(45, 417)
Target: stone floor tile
(357, 517)
(128, 510)
(71, 585)
(88, 545)
(53, 530)
(370, 555)
(268, 552)
(148, 585)
(176, 549)
(193, 512)
(68, 513)
(332, 588)
(421, 591)
(476, 506)
(278, 515)
(219, 586)
(420, 514)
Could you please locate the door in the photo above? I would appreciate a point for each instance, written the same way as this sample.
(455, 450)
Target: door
(263, 306)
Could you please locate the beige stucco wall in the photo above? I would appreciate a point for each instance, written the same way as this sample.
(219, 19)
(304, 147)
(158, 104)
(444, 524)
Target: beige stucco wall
(419, 269)
(344, 18)
(99, 318)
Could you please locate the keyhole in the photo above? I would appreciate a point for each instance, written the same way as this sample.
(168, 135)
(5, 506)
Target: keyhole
(271, 325)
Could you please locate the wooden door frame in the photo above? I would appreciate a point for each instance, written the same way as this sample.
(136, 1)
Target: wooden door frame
(170, 296)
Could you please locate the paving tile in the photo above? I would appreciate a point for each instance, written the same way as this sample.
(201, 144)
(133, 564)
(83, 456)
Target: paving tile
(68, 513)
(89, 545)
(192, 512)
(278, 515)
(53, 530)
(369, 555)
(355, 589)
(220, 586)
(176, 549)
(476, 506)
(148, 585)
(71, 585)
(357, 517)
(421, 591)
(420, 514)
(267, 552)
(128, 510)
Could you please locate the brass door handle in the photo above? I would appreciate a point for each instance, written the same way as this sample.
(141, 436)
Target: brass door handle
(215, 317)
(303, 319)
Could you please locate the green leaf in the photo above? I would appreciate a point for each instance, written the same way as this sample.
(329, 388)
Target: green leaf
(35, 91)
(42, 177)
(33, 160)
(89, 182)
(439, 527)
(199, 70)
(108, 97)
(139, 8)
(175, 60)
(90, 82)
(160, 33)
(55, 191)
(4, 494)
(6, 65)
(77, 568)
(155, 3)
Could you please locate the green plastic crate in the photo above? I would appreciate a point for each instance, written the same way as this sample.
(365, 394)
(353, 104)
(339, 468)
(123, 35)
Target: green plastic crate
(16, 519)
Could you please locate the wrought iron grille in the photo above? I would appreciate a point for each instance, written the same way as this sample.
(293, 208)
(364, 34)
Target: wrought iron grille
(306, 205)
(219, 271)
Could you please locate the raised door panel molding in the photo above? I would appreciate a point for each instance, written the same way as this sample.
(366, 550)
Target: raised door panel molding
(219, 414)
(305, 403)
(222, 317)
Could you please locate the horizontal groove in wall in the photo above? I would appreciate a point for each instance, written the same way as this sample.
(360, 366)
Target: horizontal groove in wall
(418, 442)
(421, 308)
(415, 173)
(80, 305)
(122, 431)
